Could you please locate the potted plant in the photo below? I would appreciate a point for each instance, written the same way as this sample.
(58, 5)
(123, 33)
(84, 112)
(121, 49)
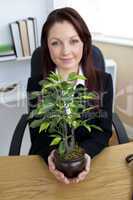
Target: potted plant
(59, 114)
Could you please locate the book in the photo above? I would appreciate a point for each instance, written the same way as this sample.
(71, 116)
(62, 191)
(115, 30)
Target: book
(31, 35)
(24, 37)
(6, 50)
(8, 57)
(7, 53)
(35, 31)
(15, 34)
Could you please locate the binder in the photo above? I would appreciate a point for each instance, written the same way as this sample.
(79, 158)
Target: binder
(35, 31)
(15, 34)
(24, 37)
(31, 35)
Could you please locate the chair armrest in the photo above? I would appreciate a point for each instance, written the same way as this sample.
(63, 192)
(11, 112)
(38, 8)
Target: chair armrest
(120, 129)
(16, 142)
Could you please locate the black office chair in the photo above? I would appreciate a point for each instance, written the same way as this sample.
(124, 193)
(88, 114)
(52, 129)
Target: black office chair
(17, 138)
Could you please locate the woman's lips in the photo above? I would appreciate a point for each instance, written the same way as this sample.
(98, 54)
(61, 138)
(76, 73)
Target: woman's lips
(66, 60)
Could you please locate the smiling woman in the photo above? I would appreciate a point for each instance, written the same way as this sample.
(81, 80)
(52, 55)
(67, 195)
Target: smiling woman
(67, 47)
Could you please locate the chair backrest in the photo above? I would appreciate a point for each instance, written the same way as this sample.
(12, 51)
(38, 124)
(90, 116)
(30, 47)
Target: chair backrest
(98, 58)
(97, 55)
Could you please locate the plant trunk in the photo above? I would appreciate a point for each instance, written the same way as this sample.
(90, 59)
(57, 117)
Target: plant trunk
(72, 145)
(66, 139)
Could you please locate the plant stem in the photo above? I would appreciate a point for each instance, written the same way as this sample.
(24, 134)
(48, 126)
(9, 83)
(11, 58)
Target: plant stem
(66, 138)
(65, 131)
(72, 139)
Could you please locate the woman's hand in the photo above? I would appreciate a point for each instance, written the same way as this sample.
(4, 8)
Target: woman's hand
(82, 175)
(60, 176)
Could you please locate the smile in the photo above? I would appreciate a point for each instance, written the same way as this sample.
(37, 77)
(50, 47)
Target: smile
(66, 60)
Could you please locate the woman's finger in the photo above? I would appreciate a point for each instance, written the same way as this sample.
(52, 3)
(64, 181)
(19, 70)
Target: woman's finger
(51, 161)
(58, 174)
(82, 175)
(88, 161)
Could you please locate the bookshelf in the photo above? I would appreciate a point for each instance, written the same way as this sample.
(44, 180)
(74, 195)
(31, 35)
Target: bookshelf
(17, 70)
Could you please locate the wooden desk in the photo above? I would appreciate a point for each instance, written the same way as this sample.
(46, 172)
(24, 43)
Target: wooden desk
(27, 177)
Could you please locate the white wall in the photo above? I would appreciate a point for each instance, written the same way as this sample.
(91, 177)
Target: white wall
(16, 71)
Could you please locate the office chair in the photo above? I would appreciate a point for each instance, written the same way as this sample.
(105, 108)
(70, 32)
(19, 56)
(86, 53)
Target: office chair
(98, 60)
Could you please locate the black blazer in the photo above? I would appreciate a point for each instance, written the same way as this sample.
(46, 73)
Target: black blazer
(92, 142)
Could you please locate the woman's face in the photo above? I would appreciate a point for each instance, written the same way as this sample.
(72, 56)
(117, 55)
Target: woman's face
(65, 46)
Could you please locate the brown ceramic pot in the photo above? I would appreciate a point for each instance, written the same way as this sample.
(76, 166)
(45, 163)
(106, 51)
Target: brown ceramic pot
(70, 168)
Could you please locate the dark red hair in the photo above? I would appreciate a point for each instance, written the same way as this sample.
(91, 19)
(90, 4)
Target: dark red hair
(73, 17)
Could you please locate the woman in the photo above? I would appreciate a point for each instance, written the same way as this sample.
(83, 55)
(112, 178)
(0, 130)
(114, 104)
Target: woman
(67, 47)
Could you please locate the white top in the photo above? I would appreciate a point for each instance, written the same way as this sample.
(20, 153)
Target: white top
(79, 81)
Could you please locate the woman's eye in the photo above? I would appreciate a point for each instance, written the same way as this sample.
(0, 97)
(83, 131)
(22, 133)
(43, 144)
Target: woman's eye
(55, 43)
(74, 41)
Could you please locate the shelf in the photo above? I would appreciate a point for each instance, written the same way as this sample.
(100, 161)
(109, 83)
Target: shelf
(6, 59)
(23, 58)
(15, 95)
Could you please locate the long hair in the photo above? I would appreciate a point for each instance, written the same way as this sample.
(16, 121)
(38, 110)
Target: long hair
(73, 17)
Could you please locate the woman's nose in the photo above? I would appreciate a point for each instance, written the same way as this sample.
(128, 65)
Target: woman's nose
(66, 49)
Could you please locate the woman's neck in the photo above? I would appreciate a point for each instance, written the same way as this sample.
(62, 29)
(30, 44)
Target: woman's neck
(65, 73)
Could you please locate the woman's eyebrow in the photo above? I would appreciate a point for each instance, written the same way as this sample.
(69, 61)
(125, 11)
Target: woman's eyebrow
(56, 38)
(74, 36)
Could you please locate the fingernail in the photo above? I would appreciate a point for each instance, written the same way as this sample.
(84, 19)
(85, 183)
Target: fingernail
(77, 181)
(66, 181)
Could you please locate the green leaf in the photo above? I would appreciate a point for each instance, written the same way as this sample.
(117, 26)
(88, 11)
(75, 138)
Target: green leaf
(34, 95)
(65, 85)
(96, 127)
(44, 126)
(55, 76)
(75, 124)
(43, 108)
(36, 123)
(74, 76)
(54, 135)
(81, 77)
(33, 113)
(86, 97)
(89, 108)
(88, 127)
(55, 141)
(43, 82)
(49, 85)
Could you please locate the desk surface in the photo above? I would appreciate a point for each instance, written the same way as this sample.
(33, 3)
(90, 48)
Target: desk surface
(27, 177)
